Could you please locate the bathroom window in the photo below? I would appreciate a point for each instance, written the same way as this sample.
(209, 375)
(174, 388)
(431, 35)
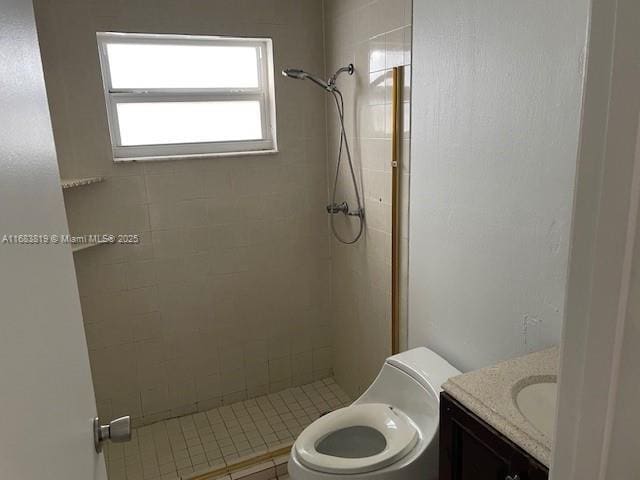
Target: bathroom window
(173, 96)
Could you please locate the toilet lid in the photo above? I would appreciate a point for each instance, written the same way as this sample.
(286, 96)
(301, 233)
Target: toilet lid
(356, 439)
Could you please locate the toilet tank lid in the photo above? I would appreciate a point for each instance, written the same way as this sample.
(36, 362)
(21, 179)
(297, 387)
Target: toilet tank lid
(424, 366)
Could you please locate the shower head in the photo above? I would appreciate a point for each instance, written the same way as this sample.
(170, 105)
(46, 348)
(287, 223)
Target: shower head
(295, 73)
(302, 75)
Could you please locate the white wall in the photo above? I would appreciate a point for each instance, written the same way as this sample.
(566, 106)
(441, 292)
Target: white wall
(496, 104)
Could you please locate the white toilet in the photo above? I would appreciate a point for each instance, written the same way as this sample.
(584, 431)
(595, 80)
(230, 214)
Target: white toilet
(390, 432)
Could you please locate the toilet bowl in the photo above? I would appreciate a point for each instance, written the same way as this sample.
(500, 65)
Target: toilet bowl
(390, 432)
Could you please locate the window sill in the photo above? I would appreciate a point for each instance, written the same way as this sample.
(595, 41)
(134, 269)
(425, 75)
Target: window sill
(160, 158)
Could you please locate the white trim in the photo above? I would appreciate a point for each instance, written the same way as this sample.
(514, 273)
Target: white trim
(264, 94)
(195, 156)
(623, 304)
(590, 439)
(155, 38)
(122, 154)
(186, 94)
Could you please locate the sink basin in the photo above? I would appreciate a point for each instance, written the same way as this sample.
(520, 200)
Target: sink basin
(537, 403)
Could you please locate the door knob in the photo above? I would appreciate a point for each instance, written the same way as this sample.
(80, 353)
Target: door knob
(118, 430)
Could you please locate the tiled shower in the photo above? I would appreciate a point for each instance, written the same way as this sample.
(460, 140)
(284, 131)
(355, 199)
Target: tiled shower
(237, 297)
(205, 441)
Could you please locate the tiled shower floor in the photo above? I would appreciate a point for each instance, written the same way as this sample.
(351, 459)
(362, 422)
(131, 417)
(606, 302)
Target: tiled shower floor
(171, 449)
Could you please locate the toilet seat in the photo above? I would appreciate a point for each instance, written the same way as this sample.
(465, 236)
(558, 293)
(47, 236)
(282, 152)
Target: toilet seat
(380, 428)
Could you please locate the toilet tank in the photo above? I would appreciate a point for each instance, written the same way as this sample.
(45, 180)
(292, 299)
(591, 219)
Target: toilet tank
(415, 376)
(424, 366)
(412, 381)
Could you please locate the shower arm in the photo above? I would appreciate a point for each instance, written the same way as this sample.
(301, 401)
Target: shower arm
(332, 81)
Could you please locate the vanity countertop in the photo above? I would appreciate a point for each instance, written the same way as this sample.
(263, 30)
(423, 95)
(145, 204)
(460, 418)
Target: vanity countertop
(490, 394)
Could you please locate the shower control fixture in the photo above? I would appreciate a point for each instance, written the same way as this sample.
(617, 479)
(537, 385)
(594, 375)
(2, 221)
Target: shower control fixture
(344, 208)
(118, 431)
(337, 208)
(334, 207)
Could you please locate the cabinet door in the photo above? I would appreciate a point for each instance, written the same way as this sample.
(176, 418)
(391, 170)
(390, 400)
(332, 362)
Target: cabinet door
(537, 472)
(468, 452)
(477, 460)
(472, 450)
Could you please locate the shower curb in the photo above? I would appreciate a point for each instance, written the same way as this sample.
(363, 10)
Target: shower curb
(277, 458)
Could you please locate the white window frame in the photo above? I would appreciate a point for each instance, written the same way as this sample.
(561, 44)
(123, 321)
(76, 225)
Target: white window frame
(263, 94)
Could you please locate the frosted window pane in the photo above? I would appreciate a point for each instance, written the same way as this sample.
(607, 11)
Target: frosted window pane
(188, 122)
(182, 66)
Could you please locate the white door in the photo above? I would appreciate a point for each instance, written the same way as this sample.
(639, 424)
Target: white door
(46, 396)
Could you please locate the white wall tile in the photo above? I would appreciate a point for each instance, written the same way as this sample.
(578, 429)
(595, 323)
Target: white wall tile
(155, 400)
(360, 279)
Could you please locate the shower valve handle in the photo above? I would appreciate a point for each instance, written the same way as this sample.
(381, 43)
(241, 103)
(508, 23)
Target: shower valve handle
(338, 208)
(358, 213)
(344, 208)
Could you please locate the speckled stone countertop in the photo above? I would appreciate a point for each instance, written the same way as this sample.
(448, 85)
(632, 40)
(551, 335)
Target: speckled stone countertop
(489, 393)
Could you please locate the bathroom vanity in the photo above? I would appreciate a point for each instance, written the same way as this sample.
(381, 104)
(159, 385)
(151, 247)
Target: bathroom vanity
(497, 423)
(470, 449)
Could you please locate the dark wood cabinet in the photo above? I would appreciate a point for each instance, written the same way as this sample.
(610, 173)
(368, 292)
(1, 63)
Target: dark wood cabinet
(470, 449)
